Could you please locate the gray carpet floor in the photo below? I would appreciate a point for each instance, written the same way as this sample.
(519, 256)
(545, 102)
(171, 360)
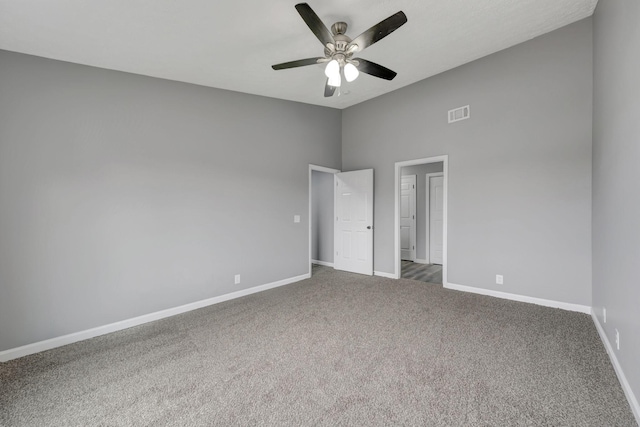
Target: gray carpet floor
(430, 273)
(337, 349)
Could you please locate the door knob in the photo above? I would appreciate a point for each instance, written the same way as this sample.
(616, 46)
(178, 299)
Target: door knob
(368, 227)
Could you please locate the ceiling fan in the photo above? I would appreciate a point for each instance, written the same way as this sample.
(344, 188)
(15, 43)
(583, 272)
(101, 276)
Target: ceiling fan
(339, 49)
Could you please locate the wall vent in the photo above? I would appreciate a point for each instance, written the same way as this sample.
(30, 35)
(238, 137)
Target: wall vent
(458, 114)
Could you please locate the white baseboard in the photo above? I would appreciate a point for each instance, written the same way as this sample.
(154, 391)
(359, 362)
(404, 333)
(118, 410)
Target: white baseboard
(633, 401)
(318, 262)
(383, 274)
(421, 261)
(14, 353)
(521, 298)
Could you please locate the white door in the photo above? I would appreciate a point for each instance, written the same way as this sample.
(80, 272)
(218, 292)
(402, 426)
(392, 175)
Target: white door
(353, 231)
(436, 218)
(408, 218)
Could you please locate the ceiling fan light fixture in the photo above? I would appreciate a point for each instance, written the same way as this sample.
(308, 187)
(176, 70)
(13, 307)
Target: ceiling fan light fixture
(339, 48)
(332, 70)
(351, 72)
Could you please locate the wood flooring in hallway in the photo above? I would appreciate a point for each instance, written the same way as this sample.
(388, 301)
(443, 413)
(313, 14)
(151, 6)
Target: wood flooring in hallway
(430, 273)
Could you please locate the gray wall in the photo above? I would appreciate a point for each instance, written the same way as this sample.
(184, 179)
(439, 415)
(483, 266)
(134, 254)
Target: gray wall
(616, 178)
(421, 202)
(519, 168)
(122, 195)
(322, 216)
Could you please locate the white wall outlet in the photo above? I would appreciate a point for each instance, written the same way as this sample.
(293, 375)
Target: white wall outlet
(296, 218)
(499, 279)
(237, 279)
(604, 314)
(617, 340)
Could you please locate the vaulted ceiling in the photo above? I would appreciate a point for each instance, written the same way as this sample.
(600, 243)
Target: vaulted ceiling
(232, 44)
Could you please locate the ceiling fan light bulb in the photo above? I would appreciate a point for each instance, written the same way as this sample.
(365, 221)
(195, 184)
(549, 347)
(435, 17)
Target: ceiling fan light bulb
(332, 69)
(351, 72)
(335, 80)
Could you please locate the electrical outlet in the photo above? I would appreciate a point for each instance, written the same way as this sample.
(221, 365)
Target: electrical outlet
(604, 314)
(499, 279)
(296, 218)
(237, 279)
(617, 340)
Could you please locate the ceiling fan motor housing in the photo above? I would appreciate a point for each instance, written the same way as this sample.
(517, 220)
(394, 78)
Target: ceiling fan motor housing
(338, 50)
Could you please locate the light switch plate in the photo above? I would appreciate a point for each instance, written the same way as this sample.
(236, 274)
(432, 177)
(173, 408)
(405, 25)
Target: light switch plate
(296, 218)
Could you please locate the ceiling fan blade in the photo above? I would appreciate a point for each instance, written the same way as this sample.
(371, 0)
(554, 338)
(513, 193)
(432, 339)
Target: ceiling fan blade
(314, 23)
(294, 64)
(379, 31)
(328, 90)
(374, 69)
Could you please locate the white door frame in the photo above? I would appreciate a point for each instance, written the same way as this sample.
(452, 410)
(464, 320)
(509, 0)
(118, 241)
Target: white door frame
(311, 169)
(428, 213)
(445, 173)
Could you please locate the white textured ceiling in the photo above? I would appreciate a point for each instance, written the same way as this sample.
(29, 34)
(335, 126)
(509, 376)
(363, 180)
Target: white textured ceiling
(231, 44)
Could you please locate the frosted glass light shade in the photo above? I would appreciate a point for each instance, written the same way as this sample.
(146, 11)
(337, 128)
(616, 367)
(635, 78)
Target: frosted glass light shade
(351, 72)
(332, 69)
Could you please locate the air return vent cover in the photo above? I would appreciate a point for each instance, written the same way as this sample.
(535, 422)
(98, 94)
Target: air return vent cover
(458, 114)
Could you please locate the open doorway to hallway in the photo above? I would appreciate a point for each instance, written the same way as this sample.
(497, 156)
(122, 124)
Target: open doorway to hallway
(421, 219)
(341, 219)
(321, 214)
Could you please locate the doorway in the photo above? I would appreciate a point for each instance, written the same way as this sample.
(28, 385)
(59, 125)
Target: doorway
(429, 263)
(321, 221)
(340, 220)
